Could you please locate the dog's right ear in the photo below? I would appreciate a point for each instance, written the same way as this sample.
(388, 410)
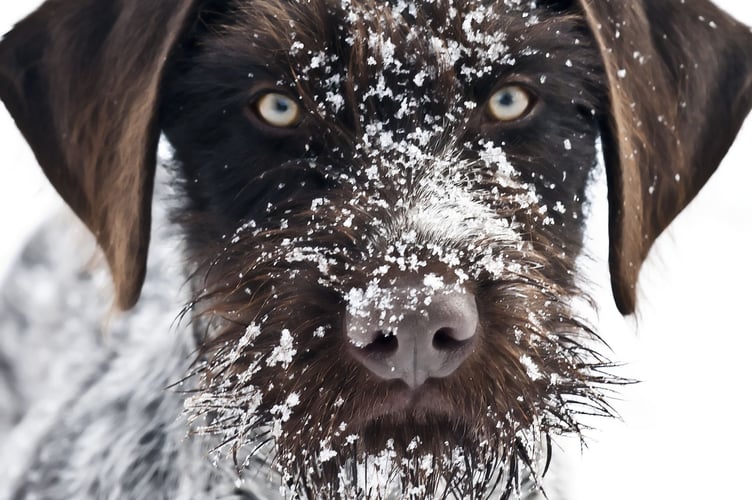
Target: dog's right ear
(81, 79)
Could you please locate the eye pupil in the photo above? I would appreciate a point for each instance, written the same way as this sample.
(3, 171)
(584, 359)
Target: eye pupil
(282, 106)
(506, 99)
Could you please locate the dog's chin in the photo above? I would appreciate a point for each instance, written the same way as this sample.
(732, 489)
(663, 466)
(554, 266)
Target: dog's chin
(414, 423)
(413, 434)
(408, 415)
(411, 441)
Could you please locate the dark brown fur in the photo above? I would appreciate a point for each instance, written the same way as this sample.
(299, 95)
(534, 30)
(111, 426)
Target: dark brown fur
(664, 89)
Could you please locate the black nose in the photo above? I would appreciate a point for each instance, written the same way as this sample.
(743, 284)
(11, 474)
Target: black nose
(406, 333)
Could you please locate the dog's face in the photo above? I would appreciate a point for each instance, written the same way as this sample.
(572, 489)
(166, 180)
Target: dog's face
(383, 206)
(361, 173)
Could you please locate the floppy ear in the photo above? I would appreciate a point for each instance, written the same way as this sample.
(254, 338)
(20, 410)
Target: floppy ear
(680, 84)
(81, 79)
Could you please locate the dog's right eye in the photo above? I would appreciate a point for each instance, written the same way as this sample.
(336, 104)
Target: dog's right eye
(278, 110)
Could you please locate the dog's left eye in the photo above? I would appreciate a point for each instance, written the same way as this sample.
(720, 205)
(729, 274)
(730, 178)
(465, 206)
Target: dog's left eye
(278, 110)
(510, 103)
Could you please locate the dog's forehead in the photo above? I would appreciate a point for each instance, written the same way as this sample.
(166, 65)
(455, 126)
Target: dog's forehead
(411, 39)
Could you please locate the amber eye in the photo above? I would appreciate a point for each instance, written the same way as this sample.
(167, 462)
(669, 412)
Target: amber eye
(510, 103)
(278, 110)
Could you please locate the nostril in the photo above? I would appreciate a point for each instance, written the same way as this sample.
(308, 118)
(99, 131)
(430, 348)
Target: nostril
(446, 339)
(383, 345)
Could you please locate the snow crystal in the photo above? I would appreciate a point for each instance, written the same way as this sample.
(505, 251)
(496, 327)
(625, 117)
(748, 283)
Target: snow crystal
(326, 453)
(285, 410)
(284, 352)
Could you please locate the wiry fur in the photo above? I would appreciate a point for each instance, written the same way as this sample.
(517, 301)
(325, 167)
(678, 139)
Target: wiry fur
(396, 179)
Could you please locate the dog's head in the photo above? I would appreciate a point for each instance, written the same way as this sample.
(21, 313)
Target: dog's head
(358, 173)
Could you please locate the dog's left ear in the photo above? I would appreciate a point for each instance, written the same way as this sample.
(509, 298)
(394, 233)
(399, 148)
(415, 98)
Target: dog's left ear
(680, 85)
(81, 78)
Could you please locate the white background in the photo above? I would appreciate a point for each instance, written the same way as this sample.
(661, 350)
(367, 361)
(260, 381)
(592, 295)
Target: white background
(686, 431)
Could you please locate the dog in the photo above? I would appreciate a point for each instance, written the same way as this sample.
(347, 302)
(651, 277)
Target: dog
(378, 211)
